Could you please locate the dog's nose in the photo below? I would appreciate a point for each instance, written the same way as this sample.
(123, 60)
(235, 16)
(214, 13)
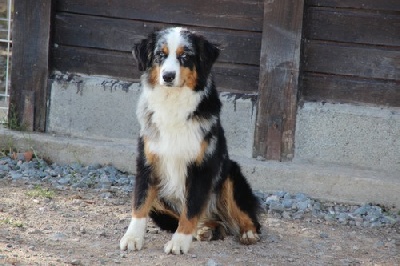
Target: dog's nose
(169, 76)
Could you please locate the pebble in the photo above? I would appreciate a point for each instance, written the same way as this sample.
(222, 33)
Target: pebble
(323, 235)
(211, 262)
(108, 179)
(76, 262)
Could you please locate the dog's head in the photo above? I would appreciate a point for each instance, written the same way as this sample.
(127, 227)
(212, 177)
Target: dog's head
(176, 57)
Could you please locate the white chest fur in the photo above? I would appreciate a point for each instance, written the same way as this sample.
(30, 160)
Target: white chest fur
(178, 139)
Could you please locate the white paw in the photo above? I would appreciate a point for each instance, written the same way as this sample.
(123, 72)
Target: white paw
(249, 238)
(134, 236)
(180, 243)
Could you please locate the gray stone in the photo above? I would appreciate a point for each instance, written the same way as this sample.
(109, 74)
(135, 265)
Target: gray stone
(212, 262)
(64, 181)
(302, 206)
(276, 206)
(298, 215)
(323, 235)
(287, 203)
(300, 197)
(16, 175)
(361, 210)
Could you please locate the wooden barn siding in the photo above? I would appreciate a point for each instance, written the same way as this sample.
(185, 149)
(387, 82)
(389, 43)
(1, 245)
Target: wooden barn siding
(96, 37)
(30, 64)
(351, 51)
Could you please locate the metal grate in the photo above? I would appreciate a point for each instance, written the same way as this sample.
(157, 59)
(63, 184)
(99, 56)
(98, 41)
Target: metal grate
(6, 7)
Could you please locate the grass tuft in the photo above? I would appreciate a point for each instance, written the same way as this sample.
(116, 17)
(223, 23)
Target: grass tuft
(11, 222)
(39, 192)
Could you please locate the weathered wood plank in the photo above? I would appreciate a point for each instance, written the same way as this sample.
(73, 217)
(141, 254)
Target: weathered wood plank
(338, 89)
(366, 27)
(121, 34)
(278, 82)
(30, 64)
(360, 61)
(95, 62)
(230, 14)
(229, 77)
(388, 5)
(236, 78)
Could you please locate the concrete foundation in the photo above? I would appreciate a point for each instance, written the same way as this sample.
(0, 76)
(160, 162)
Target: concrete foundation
(98, 107)
(361, 136)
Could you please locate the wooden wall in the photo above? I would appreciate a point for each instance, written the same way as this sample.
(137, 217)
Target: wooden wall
(341, 51)
(97, 36)
(351, 51)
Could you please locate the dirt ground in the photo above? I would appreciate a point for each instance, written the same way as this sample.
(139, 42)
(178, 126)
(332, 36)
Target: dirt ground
(84, 228)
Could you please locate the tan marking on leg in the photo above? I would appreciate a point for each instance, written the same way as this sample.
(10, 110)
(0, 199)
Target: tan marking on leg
(203, 149)
(187, 226)
(151, 158)
(144, 209)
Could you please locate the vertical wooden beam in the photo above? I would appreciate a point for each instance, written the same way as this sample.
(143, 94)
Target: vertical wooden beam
(30, 62)
(278, 82)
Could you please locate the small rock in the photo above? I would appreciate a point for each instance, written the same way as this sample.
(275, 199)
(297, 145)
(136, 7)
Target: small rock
(286, 215)
(152, 230)
(276, 206)
(287, 203)
(64, 180)
(379, 244)
(323, 235)
(212, 262)
(58, 236)
(300, 197)
(271, 199)
(361, 210)
(298, 215)
(302, 206)
(76, 262)
(34, 231)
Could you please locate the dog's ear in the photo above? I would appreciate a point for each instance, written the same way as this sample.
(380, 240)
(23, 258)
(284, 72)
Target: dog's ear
(207, 54)
(140, 54)
(143, 52)
(211, 52)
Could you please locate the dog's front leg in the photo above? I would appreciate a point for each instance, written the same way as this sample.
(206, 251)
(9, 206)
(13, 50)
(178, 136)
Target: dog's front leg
(134, 236)
(143, 198)
(198, 187)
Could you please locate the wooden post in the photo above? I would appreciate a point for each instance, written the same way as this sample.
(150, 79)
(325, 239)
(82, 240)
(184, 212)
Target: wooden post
(30, 63)
(278, 82)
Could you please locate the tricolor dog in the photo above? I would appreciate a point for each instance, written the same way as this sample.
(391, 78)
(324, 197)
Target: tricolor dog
(185, 180)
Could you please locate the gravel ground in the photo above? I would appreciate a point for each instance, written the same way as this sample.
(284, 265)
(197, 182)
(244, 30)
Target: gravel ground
(107, 179)
(81, 224)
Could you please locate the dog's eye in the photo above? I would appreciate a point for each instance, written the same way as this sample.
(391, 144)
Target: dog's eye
(161, 54)
(182, 56)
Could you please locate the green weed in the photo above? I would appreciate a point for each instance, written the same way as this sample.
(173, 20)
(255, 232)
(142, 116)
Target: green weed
(11, 222)
(39, 192)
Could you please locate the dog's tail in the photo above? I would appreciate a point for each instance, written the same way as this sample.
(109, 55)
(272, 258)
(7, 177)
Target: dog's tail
(243, 194)
(165, 218)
